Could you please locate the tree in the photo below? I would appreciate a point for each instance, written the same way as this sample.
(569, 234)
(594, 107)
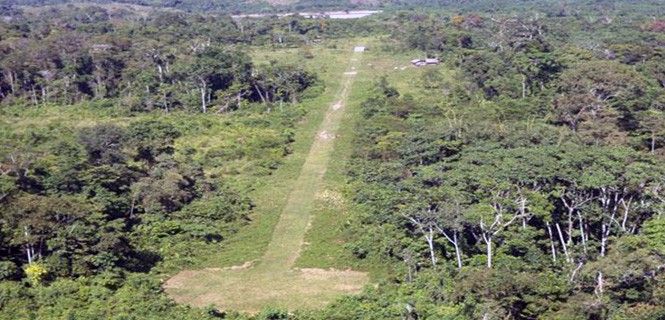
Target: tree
(537, 69)
(103, 143)
(152, 138)
(212, 68)
(587, 90)
(653, 124)
(168, 187)
(451, 227)
(426, 222)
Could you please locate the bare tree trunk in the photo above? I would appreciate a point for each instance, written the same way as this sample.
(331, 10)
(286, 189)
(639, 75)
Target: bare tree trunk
(553, 248)
(160, 71)
(571, 210)
(430, 242)
(603, 239)
(166, 102)
(606, 228)
(582, 233)
(599, 285)
(522, 210)
(523, 86)
(563, 243)
(454, 242)
(12, 81)
(626, 208)
(572, 276)
(98, 87)
(34, 96)
(133, 207)
(28, 247)
(488, 242)
(41, 249)
(204, 106)
(458, 251)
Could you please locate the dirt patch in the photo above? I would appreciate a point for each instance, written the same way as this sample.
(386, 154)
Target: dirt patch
(326, 136)
(337, 106)
(248, 290)
(180, 280)
(351, 73)
(245, 265)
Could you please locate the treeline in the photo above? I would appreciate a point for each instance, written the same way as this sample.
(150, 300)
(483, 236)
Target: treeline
(166, 61)
(227, 6)
(532, 189)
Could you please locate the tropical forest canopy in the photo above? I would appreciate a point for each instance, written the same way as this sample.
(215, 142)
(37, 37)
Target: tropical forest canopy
(270, 6)
(523, 178)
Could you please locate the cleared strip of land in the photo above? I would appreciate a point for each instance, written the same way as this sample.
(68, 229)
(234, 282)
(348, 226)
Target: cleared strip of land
(272, 280)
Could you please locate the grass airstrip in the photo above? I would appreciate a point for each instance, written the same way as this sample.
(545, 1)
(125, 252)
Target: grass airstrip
(292, 254)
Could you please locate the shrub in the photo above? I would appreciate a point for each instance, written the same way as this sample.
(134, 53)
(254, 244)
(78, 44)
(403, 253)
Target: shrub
(8, 270)
(36, 273)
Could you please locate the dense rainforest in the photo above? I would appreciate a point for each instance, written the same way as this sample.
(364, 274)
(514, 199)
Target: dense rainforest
(533, 188)
(524, 182)
(271, 6)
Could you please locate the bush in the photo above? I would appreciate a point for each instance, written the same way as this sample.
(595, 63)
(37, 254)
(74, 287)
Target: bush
(8, 270)
(36, 273)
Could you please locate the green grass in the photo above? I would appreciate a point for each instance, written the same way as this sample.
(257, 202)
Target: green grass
(270, 193)
(269, 247)
(326, 240)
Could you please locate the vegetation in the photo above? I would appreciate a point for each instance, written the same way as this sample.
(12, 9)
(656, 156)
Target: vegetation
(271, 6)
(529, 191)
(522, 178)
